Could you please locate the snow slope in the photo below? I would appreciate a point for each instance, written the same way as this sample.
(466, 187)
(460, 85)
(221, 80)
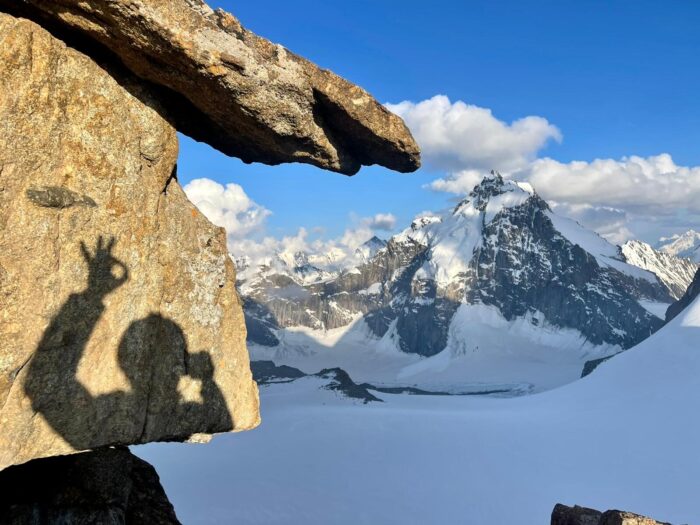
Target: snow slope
(624, 437)
(484, 352)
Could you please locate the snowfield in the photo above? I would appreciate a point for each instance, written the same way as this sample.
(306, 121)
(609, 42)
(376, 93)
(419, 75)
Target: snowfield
(626, 436)
(484, 352)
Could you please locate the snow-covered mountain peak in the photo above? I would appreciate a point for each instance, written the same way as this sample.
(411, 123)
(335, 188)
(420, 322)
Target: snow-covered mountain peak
(424, 220)
(369, 248)
(686, 245)
(493, 194)
(452, 283)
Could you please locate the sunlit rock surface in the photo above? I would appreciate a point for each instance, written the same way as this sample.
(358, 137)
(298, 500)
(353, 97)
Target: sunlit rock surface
(242, 94)
(119, 318)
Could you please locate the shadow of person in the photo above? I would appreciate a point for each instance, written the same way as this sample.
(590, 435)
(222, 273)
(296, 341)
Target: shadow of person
(176, 387)
(171, 393)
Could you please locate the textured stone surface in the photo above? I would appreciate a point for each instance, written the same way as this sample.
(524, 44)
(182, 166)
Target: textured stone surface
(105, 487)
(242, 94)
(564, 515)
(119, 319)
(617, 517)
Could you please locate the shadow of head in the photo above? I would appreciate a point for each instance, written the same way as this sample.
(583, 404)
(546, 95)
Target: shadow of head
(154, 351)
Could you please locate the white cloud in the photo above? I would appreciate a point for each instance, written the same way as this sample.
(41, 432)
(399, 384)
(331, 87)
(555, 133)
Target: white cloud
(653, 184)
(619, 198)
(458, 136)
(459, 183)
(382, 221)
(244, 220)
(611, 223)
(227, 206)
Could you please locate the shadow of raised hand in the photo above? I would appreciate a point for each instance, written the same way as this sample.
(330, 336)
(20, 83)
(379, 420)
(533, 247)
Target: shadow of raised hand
(102, 278)
(51, 383)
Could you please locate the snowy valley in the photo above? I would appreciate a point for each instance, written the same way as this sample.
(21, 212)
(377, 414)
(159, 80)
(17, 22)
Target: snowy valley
(608, 441)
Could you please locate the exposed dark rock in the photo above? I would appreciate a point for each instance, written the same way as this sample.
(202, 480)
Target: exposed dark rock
(689, 296)
(260, 324)
(57, 197)
(266, 372)
(341, 382)
(104, 487)
(591, 365)
(564, 515)
(558, 278)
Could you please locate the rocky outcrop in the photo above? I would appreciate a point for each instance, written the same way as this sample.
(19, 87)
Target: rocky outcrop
(242, 94)
(105, 487)
(688, 297)
(119, 318)
(590, 366)
(564, 515)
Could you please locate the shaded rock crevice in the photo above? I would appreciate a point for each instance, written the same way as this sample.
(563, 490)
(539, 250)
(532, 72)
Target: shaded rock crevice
(104, 487)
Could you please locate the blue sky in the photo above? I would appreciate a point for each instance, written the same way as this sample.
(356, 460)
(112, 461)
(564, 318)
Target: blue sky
(616, 79)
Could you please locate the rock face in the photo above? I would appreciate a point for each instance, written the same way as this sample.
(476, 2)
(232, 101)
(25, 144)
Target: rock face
(337, 379)
(688, 297)
(119, 318)
(105, 487)
(563, 515)
(242, 94)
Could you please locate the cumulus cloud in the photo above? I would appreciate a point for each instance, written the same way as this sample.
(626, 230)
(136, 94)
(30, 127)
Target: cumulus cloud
(382, 221)
(227, 206)
(245, 221)
(631, 197)
(611, 223)
(620, 198)
(459, 136)
(324, 253)
(653, 184)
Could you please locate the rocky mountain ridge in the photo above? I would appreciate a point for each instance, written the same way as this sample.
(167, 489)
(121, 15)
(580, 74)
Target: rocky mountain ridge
(503, 247)
(675, 272)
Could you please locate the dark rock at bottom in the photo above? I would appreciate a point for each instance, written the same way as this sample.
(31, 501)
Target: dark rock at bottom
(105, 487)
(563, 515)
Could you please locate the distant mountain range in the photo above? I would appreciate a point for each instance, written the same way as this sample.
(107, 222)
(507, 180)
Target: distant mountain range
(498, 290)
(686, 245)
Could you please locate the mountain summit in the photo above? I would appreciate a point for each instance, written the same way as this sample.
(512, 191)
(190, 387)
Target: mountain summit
(500, 272)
